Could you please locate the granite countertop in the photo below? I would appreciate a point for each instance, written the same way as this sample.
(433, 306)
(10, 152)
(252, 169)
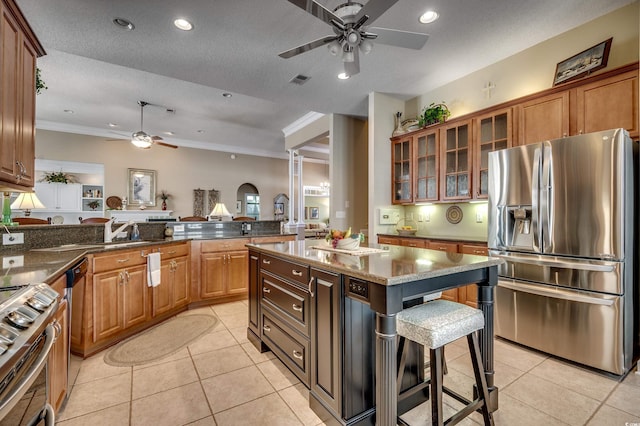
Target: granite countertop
(224, 235)
(439, 237)
(394, 265)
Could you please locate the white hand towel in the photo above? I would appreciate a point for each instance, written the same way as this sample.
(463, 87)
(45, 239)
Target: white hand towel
(153, 269)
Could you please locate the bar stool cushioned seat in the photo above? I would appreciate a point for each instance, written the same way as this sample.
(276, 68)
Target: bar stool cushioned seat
(433, 325)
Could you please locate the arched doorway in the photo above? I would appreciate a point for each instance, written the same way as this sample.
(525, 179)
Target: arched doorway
(248, 201)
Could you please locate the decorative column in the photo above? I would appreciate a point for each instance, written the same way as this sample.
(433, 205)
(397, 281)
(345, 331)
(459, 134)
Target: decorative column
(300, 223)
(290, 226)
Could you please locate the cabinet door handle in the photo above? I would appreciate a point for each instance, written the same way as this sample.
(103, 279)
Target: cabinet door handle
(296, 273)
(266, 290)
(254, 257)
(297, 354)
(127, 276)
(122, 260)
(121, 278)
(310, 282)
(266, 262)
(266, 328)
(296, 307)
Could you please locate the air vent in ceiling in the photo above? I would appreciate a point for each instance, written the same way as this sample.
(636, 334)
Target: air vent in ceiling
(300, 79)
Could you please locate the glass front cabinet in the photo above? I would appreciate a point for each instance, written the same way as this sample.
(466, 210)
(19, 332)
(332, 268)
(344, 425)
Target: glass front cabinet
(494, 132)
(456, 154)
(427, 160)
(402, 184)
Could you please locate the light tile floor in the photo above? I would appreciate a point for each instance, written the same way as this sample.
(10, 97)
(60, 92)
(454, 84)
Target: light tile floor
(221, 379)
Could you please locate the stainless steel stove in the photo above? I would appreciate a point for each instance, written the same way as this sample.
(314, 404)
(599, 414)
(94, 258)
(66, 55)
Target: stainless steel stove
(27, 333)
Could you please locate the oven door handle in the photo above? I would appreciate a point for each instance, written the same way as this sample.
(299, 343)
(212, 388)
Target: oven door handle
(29, 377)
(556, 293)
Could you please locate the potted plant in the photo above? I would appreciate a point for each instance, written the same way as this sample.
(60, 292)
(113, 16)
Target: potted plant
(58, 177)
(93, 204)
(434, 114)
(164, 196)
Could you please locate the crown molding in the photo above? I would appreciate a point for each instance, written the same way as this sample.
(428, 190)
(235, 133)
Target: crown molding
(302, 122)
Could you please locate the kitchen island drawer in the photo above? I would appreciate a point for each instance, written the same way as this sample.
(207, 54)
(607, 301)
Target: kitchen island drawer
(173, 250)
(120, 259)
(286, 269)
(287, 300)
(229, 244)
(292, 351)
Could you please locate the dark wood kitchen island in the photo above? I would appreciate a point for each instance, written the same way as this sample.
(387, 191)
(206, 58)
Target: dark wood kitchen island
(330, 317)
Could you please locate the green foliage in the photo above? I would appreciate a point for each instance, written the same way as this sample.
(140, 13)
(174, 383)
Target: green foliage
(40, 85)
(164, 195)
(58, 177)
(434, 113)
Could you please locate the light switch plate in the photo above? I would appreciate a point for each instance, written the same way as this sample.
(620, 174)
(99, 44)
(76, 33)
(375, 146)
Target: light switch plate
(478, 217)
(15, 238)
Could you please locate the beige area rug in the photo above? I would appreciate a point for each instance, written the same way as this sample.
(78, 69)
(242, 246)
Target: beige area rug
(160, 341)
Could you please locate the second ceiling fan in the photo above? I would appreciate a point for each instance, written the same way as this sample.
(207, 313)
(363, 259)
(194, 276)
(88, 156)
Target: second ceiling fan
(348, 22)
(144, 140)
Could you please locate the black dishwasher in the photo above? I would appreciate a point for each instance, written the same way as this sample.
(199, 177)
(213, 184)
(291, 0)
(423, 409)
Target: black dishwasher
(75, 278)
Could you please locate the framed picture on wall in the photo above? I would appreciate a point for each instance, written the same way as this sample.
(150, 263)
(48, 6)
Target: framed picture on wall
(141, 187)
(584, 63)
(314, 213)
(278, 208)
(239, 206)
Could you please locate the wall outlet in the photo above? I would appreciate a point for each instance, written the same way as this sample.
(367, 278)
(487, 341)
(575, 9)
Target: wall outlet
(420, 217)
(15, 238)
(478, 217)
(12, 262)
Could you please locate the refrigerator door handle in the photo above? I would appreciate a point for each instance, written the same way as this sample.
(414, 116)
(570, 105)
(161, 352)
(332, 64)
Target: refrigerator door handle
(564, 264)
(535, 185)
(546, 199)
(557, 293)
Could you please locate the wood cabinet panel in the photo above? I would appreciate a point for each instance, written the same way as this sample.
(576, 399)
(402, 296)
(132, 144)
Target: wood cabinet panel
(413, 242)
(107, 305)
(608, 104)
(120, 259)
(224, 245)
(389, 240)
(443, 246)
(426, 166)
(237, 272)
(173, 290)
(212, 275)
(544, 118)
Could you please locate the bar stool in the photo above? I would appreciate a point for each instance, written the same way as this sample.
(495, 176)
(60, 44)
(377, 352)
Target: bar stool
(433, 325)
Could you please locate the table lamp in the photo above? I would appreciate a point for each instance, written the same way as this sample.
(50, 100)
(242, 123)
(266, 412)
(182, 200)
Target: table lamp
(26, 201)
(219, 210)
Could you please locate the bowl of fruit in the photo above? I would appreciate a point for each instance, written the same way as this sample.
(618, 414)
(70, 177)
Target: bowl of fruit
(343, 240)
(407, 227)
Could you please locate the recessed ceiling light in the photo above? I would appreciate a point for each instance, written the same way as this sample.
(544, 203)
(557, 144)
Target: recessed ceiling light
(200, 131)
(68, 111)
(227, 95)
(429, 16)
(123, 23)
(113, 125)
(343, 76)
(183, 24)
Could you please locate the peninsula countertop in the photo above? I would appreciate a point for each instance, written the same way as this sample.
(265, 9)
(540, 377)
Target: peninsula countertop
(391, 265)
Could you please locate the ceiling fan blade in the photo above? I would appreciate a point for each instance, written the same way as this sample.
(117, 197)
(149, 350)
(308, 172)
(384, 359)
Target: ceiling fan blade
(168, 145)
(306, 47)
(399, 38)
(353, 68)
(373, 9)
(319, 11)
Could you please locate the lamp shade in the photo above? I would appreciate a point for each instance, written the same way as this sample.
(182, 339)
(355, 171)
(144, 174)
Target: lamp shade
(27, 201)
(220, 210)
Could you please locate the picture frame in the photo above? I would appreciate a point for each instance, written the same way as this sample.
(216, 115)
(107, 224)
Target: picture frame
(583, 63)
(239, 206)
(314, 213)
(278, 208)
(141, 186)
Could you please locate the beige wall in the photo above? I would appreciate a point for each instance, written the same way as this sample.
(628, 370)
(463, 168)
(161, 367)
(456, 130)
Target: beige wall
(180, 171)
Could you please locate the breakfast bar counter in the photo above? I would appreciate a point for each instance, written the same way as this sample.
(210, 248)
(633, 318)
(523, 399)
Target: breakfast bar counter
(336, 298)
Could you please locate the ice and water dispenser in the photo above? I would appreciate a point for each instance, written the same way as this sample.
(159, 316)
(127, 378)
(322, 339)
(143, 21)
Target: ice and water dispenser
(517, 229)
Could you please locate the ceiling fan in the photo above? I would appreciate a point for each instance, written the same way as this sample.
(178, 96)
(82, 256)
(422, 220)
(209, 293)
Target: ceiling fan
(348, 23)
(141, 139)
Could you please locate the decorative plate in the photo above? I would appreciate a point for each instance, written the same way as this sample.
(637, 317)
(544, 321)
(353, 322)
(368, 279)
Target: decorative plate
(114, 202)
(57, 220)
(454, 214)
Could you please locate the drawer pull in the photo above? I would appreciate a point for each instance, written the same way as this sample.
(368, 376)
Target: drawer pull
(254, 257)
(171, 252)
(412, 245)
(296, 273)
(297, 354)
(266, 290)
(266, 328)
(442, 248)
(266, 261)
(296, 307)
(122, 260)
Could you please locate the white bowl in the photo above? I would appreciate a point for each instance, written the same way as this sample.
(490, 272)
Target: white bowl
(348, 244)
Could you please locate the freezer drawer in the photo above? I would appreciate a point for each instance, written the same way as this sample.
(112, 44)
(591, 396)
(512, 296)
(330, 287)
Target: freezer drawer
(581, 326)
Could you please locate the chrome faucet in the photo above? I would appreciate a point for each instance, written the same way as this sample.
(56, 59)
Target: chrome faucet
(109, 234)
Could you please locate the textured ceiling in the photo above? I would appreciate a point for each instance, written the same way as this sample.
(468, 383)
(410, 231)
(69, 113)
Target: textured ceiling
(100, 71)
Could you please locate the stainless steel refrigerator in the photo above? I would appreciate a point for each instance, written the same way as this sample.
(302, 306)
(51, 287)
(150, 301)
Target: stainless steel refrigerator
(562, 215)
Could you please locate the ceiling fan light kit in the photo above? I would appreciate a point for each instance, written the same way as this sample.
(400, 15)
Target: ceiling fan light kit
(350, 36)
(142, 140)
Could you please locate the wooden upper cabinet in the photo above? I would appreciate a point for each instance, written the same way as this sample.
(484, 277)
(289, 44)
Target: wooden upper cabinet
(493, 132)
(401, 170)
(544, 118)
(455, 175)
(19, 49)
(426, 165)
(608, 104)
